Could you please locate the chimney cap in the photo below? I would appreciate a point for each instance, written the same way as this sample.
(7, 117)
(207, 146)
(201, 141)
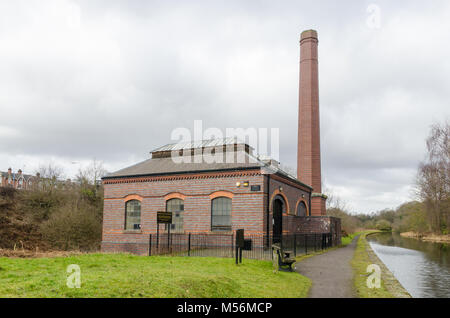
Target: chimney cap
(308, 34)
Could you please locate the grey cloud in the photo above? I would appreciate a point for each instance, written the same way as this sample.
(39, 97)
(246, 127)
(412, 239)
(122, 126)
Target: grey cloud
(114, 81)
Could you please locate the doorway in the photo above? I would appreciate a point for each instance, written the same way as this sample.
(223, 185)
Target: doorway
(277, 209)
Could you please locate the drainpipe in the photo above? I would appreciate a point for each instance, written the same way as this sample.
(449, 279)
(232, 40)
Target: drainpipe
(268, 209)
(310, 203)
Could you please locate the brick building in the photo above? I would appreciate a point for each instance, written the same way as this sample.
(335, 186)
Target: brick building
(213, 194)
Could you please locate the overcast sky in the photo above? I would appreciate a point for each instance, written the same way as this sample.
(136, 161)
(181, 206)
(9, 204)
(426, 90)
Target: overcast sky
(111, 79)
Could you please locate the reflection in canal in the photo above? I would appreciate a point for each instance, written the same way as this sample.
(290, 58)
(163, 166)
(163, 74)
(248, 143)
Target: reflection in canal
(423, 268)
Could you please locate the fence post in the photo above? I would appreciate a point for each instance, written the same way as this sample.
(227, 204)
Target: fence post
(324, 240)
(189, 244)
(306, 243)
(295, 245)
(232, 241)
(157, 238)
(169, 248)
(150, 245)
(270, 240)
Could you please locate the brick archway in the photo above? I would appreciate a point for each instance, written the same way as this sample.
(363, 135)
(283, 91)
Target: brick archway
(133, 197)
(221, 193)
(308, 212)
(174, 195)
(274, 194)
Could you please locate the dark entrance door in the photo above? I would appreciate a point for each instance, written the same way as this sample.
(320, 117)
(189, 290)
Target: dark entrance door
(277, 220)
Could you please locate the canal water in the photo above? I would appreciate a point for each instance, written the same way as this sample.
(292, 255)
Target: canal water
(423, 268)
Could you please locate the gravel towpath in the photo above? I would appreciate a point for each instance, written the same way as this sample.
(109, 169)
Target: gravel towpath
(331, 272)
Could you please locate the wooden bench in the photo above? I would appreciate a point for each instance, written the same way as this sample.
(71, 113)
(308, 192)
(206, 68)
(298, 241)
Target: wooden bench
(284, 258)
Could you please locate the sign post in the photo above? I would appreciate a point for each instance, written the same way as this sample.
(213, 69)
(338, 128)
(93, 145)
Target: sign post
(239, 245)
(163, 217)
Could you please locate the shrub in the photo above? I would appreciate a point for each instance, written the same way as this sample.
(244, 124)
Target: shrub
(383, 225)
(73, 227)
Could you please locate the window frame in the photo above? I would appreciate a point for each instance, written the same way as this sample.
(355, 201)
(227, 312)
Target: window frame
(298, 206)
(175, 230)
(222, 228)
(126, 215)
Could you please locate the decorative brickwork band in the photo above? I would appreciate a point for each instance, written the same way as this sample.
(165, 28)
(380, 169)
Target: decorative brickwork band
(174, 195)
(217, 194)
(132, 197)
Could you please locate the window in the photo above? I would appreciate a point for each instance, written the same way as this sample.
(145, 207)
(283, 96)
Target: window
(221, 214)
(132, 215)
(176, 206)
(301, 209)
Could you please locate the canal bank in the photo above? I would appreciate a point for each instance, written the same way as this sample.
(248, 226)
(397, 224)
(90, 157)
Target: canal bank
(423, 268)
(427, 237)
(365, 256)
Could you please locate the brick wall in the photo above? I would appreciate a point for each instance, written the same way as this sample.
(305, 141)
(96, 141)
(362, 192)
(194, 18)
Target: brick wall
(249, 209)
(290, 193)
(247, 206)
(318, 224)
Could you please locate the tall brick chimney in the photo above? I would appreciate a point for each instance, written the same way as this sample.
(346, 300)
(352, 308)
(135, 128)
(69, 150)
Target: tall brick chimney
(308, 155)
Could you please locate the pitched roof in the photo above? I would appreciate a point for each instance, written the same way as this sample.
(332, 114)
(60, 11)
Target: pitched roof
(200, 144)
(16, 175)
(198, 163)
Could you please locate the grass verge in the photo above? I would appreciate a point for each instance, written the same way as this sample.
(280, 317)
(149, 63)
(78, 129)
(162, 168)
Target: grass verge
(349, 238)
(124, 275)
(360, 261)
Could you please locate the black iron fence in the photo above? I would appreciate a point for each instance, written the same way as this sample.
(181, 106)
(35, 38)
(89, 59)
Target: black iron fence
(224, 245)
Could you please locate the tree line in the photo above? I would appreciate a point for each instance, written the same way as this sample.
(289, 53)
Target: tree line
(429, 212)
(55, 214)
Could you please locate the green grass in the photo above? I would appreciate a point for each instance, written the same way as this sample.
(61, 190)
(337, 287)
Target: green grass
(359, 263)
(124, 275)
(349, 238)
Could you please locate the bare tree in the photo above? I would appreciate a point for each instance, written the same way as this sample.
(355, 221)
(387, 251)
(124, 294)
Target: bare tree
(49, 175)
(334, 201)
(433, 179)
(92, 173)
(50, 171)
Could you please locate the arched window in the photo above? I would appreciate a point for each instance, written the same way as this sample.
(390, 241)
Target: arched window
(301, 209)
(221, 214)
(176, 206)
(132, 215)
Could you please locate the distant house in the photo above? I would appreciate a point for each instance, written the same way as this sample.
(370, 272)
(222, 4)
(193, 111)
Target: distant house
(18, 180)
